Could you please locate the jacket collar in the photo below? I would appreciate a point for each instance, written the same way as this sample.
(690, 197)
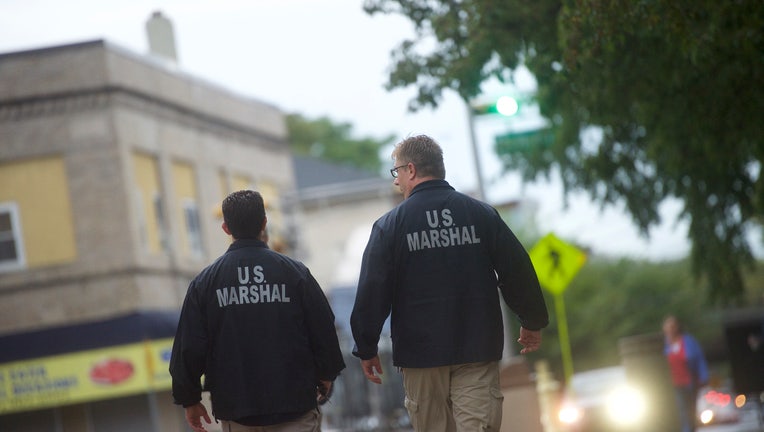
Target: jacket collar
(243, 243)
(431, 184)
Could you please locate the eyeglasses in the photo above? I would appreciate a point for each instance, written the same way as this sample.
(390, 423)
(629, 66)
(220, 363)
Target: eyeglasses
(394, 171)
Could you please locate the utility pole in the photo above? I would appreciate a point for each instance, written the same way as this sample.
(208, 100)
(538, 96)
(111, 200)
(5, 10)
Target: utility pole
(475, 153)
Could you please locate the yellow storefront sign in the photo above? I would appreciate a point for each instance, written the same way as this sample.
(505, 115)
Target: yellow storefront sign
(85, 376)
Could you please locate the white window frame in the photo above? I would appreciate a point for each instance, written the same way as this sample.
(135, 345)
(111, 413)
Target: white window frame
(12, 209)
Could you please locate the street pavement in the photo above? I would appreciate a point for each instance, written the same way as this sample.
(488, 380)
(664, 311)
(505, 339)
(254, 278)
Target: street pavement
(748, 423)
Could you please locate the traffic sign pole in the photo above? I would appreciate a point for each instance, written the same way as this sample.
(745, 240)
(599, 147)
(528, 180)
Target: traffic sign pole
(556, 263)
(562, 327)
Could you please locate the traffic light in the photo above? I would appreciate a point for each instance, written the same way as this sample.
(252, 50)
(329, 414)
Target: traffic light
(506, 106)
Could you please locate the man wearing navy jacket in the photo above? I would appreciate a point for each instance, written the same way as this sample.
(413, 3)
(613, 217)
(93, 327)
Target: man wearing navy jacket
(436, 263)
(257, 325)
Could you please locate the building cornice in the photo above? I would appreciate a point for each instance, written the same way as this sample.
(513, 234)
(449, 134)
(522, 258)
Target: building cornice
(77, 76)
(16, 109)
(86, 278)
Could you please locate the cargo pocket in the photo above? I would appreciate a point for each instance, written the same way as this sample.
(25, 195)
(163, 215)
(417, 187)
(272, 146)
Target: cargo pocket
(494, 416)
(316, 417)
(413, 409)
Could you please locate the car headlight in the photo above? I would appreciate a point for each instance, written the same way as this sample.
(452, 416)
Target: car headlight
(569, 415)
(706, 416)
(626, 406)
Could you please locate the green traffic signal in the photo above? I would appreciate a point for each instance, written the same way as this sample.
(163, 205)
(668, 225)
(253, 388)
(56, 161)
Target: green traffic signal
(506, 106)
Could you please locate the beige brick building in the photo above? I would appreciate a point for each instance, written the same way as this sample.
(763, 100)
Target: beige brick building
(112, 168)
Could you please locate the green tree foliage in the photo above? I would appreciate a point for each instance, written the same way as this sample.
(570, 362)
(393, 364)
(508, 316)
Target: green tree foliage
(333, 142)
(675, 86)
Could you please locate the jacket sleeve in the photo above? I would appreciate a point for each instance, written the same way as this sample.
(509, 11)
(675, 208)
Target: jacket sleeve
(189, 352)
(518, 282)
(373, 300)
(696, 360)
(321, 332)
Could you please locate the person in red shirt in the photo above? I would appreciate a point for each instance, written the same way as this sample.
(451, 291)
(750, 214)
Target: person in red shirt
(688, 369)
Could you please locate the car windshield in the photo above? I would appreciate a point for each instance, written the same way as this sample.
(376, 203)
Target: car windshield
(596, 382)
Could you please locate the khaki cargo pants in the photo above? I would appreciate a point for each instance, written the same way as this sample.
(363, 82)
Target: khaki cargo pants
(463, 398)
(310, 422)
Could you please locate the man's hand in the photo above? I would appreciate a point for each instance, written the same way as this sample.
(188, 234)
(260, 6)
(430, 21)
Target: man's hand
(324, 392)
(369, 366)
(194, 415)
(530, 340)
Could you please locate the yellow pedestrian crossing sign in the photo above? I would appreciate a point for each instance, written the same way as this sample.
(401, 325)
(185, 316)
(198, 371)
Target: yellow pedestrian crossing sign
(556, 262)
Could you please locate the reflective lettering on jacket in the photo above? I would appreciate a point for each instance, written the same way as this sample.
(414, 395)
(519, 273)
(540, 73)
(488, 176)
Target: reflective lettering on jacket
(443, 233)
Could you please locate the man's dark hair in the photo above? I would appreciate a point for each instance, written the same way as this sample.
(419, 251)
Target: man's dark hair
(244, 214)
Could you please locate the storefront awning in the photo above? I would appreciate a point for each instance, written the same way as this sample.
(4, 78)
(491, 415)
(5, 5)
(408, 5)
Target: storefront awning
(120, 330)
(83, 362)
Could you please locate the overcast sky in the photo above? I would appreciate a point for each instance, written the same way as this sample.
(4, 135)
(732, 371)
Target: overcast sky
(329, 58)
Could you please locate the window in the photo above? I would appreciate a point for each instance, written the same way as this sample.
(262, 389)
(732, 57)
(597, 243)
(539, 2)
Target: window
(129, 413)
(11, 242)
(193, 227)
(150, 205)
(29, 421)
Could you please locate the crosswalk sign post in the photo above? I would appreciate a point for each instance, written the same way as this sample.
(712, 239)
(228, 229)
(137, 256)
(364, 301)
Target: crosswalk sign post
(556, 263)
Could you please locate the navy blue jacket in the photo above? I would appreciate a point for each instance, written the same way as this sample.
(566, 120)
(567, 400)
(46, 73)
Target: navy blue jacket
(257, 325)
(434, 263)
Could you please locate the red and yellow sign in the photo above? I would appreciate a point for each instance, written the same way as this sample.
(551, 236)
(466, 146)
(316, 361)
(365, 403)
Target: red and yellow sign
(85, 376)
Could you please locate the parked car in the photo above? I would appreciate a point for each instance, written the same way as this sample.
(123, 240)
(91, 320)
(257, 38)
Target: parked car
(601, 400)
